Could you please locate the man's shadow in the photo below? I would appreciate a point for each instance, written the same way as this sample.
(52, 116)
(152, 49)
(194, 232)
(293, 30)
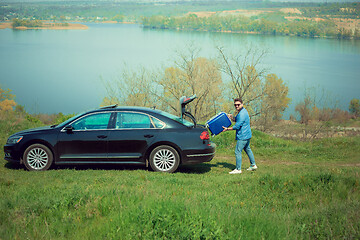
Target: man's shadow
(204, 167)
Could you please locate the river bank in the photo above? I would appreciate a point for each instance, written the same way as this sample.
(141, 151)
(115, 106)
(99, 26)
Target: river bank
(47, 25)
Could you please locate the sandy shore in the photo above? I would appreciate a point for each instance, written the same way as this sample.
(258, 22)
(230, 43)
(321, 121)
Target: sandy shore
(47, 25)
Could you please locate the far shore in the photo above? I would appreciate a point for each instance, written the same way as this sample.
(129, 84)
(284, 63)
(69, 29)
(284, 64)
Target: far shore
(47, 25)
(57, 26)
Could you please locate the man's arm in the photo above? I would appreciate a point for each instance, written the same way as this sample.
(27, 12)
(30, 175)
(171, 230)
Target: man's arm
(237, 125)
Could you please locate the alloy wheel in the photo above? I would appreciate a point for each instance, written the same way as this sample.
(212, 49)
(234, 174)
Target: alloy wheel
(164, 159)
(37, 158)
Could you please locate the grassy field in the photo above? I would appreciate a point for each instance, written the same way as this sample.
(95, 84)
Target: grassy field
(301, 190)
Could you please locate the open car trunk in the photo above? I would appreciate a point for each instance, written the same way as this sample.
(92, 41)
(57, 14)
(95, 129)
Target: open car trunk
(183, 102)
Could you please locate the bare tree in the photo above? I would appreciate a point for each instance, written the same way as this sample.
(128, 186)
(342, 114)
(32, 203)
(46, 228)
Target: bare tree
(132, 88)
(246, 76)
(189, 75)
(314, 113)
(193, 75)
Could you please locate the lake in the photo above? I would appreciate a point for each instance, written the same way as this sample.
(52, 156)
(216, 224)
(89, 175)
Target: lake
(53, 71)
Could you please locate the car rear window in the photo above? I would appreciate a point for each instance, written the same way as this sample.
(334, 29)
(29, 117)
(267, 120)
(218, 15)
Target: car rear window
(132, 120)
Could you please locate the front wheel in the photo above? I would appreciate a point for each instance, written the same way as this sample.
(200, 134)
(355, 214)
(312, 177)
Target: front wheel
(164, 159)
(38, 157)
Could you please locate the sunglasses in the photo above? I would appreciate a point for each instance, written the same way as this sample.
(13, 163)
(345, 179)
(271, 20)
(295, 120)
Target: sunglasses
(237, 105)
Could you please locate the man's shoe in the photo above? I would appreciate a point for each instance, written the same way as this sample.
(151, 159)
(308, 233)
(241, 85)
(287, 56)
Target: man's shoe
(252, 168)
(235, 171)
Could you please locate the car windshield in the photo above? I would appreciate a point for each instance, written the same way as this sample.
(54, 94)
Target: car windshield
(176, 118)
(69, 120)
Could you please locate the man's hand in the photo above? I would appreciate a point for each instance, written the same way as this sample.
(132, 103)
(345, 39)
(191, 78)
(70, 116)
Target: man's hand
(231, 117)
(225, 129)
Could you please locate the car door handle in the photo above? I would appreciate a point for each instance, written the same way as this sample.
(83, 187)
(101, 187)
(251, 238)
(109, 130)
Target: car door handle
(102, 136)
(148, 136)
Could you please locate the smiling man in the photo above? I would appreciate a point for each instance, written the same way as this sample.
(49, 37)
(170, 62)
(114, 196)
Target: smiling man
(243, 136)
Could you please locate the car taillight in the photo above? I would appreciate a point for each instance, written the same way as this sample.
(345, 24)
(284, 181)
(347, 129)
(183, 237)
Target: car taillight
(204, 135)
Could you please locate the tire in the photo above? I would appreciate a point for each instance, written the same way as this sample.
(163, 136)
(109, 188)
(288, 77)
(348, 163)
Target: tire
(164, 159)
(37, 157)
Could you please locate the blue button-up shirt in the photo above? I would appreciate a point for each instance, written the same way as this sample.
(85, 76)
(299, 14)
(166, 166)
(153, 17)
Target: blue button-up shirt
(242, 125)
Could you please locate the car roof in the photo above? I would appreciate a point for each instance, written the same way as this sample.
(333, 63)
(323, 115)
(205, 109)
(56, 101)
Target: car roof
(127, 108)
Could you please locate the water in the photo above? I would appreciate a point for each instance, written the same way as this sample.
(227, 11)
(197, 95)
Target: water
(53, 71)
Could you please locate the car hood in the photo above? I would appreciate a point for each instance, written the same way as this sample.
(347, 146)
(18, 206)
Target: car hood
(33, 130)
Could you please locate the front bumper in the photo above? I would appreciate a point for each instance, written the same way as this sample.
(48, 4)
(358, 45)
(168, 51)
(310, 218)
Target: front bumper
(12, 154)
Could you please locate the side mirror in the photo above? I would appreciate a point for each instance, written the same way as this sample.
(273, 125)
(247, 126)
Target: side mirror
(69, 129)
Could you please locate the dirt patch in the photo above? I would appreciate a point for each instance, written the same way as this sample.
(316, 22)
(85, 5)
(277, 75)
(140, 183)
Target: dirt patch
(347, 23)
(260, 161)
(292, 18)
(290, 10)
(247, 13)
(56, 26)
(21, 28)
(270, 162)
(202, 14)
(109, 22)
(349, 165)
(4, 25)
(243, 12)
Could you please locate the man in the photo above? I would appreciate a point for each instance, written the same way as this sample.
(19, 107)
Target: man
(243, 136)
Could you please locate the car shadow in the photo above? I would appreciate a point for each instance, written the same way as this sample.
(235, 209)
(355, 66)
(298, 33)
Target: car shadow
(131, 167)
(14, 166)
(200, 168)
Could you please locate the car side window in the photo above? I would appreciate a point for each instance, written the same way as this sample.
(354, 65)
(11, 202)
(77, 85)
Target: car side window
(130, 120)
(92, 122)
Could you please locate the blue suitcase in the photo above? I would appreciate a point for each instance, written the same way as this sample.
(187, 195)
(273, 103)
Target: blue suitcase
(215, 124)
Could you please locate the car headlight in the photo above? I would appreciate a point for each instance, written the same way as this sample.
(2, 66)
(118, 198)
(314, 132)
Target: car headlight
(13, 140)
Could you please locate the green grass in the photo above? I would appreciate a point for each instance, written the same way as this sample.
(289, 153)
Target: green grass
(345, 150)
(300, 191)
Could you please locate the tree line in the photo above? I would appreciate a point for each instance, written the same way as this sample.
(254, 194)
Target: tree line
(26, 23)
(33, 23)
(243, 24)
(343, 10)
(216, 82)
(133, 11)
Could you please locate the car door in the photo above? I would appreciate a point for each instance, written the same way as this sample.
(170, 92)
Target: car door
(86, 139)
(134, 132)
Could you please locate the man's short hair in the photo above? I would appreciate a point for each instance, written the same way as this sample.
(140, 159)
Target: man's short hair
(238, 100)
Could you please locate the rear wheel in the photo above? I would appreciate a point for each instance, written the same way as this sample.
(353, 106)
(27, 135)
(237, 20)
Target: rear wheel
(37, 157)
(164, 159)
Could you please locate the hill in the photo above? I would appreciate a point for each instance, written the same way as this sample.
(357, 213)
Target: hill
(302, 190)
